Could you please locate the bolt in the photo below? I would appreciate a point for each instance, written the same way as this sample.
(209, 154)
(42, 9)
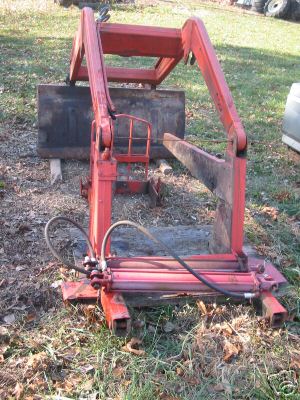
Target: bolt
(96, 286)
(260, 268)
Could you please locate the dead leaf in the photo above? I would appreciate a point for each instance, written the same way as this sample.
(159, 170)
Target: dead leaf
(230, 350)
(219, 387)
(9, 319)
(168, 327)
(71, 382)
(271, 211)
(202, 307)
(88, 385)
(56, 284)
(3, 282)
(19, 389)
(192, 380)
(20, 268)
(295, 361)
(38, 362)
(4, 334)
(165, 396)
(133, 347)
(23, 228)
(3, 349)
(30, 317)
(118, 372)
(90, 313)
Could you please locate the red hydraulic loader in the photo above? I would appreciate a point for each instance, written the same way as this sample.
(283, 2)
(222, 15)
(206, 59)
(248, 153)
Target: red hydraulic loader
(77, 120)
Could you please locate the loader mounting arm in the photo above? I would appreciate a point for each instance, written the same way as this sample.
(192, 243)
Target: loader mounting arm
(169, 45)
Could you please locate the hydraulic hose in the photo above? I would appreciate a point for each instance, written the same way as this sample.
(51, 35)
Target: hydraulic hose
(56, 254)
(173, 254)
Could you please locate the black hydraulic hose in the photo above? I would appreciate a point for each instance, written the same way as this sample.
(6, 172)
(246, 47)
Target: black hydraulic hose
(173, 254)
(56, 254)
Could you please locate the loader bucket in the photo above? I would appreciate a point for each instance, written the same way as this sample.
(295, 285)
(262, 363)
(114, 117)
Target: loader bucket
(65, 115)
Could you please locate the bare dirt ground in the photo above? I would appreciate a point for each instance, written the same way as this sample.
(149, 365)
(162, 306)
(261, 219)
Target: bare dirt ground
(30, 296)
(29, 201)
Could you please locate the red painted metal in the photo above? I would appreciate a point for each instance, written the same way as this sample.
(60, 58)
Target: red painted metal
(130, 157)
(238, 204)
(273, 311)
(231, 271)
(138, 40)
(116, 312)
(196, 40)
(154, 273)
(162, 280)
(79, 290)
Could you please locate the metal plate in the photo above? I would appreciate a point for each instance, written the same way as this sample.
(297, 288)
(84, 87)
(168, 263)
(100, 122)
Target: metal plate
(65, 116)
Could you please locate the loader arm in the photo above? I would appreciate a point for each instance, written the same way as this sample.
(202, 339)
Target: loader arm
(169, 46)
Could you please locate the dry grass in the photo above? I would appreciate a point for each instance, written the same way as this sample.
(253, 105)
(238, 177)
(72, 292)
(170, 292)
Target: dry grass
(192, 352)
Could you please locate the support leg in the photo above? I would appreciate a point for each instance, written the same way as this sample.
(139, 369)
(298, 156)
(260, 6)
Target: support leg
(116, 313)
(272, 310)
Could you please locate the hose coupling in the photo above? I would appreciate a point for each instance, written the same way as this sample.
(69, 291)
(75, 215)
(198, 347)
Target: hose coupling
(103, 265)
(90, 263)
(96, 279)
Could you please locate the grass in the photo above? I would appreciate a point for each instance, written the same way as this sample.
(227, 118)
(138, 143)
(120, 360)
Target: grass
(261, 59)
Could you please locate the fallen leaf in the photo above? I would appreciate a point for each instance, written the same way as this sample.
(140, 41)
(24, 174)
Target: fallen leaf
(18, 391)
(202, 307)
(192, 380)
(295, 361)
(20, 268)
(271, 211)
(165, 396)
(3, 348)
(88, 385)
(118, 372)
(133, 347)
(56, 284)
(87, 369)
(3, 282)
(38, 362)
(230, 350)
(219, 387)
(24, 228)
(4, 334)
(90, 313)
(30, 317)
(9, 319)
(168, 327)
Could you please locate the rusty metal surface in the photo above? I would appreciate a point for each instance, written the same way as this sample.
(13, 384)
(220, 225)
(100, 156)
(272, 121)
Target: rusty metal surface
(116, 313)
(272, 310)
(215, 173)
(79, 290)
(65, 116)
(156, 192)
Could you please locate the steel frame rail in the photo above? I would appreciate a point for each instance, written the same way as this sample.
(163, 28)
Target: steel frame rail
(228, 266)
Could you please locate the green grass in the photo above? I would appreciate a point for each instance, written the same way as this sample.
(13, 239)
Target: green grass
(261, 59)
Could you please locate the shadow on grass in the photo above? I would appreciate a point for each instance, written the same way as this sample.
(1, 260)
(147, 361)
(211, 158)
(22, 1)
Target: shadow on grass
(256, 78)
